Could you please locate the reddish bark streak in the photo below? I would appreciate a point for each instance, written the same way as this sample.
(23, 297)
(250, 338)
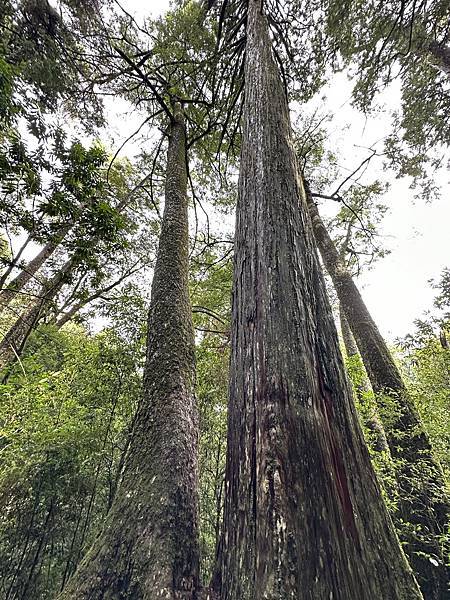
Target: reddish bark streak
(337, 461)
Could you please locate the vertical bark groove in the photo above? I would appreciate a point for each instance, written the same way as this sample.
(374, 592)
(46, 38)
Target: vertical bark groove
(423, 500)
(303, 518)
(148, 548)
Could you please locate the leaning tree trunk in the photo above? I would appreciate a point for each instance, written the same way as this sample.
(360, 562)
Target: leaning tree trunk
(304, 518)
(14, 341)
(148, 548)
(26, 274)
(423, 503)
(13, 262)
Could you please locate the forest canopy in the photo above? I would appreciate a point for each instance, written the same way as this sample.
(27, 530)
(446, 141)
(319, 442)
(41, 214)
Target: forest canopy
(224, 357)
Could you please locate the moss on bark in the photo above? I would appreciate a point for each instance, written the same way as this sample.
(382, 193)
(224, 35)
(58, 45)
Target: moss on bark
(148, 548)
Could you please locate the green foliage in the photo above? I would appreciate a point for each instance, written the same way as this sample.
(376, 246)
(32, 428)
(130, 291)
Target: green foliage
(366, 406)
(48, 49)
(65, 415)
(426, 368)
(66, 409)
(210, 296)
(383, 42)
(212, 393)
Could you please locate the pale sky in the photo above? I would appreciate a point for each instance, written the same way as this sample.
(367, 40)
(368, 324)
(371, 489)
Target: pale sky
(396, 290)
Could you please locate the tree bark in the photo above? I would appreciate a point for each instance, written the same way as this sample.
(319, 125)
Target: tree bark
(423, 501)
(304, 517)
(363, 388)
(14, 341)
(148, 548)
(27, 273)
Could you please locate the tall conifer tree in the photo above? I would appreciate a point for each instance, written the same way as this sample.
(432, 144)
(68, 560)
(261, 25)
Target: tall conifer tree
(304, 517)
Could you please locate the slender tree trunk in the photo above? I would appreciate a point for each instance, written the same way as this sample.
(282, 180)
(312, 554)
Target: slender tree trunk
(363, 388)
(148, 548)
(13, 262)
(423, 501)
(14, 341)
(70, 558)
(30, 270)
(27, 273)
(12, 588)
(42, 539)
(304, 518)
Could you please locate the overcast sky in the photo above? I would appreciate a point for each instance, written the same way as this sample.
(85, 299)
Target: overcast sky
(397, 289)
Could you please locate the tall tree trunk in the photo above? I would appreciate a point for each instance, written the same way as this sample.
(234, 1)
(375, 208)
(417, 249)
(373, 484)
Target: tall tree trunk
(148, 548)
(14, 341)
(27, 273)
(363, 388)
(423, 501)
(304, 517)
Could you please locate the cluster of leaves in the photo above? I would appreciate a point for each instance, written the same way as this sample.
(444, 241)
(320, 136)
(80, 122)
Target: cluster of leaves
(388, 41)
(426, 365)
(50, 50)
(44, 67)
(367, 408)
(426, 373)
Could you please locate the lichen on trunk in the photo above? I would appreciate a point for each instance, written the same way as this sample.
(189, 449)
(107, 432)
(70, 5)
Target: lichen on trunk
(148, 548)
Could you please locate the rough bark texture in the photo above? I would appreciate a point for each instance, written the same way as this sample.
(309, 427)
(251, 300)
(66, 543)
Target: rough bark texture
(148, 547)
(27, 273)
(304, 518)
(363, 388)
(423, 500)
